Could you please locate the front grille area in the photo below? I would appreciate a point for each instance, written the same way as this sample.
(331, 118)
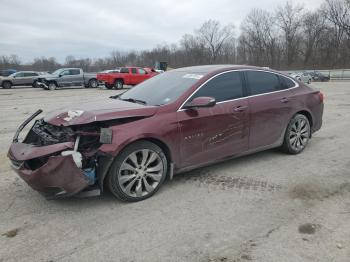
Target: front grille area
(43, 134)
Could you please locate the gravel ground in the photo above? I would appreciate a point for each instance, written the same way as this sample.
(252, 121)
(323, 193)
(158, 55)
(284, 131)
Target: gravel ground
(264, 207)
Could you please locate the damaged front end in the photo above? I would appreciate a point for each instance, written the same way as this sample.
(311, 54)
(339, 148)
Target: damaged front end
(61, 161)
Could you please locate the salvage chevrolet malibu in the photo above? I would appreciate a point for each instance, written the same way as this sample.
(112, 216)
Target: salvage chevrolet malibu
(171, 123)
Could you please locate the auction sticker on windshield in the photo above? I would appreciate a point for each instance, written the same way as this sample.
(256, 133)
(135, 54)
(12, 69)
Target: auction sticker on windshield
(194, 76)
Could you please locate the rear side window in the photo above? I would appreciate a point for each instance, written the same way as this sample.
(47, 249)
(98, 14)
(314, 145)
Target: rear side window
(286, 82)
(142, 71)
(223, 87)
(74, 72)
(124, 70)
(262, 82)
(133, 70)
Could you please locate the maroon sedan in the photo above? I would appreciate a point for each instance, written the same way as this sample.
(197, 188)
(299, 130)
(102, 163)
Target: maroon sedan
(174, 122)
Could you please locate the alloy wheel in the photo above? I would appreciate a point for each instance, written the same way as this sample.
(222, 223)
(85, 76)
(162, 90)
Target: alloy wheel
(299, 134)
(140, 173)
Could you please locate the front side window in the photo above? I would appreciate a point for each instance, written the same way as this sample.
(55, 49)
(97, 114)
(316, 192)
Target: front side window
(133, 71)
(20, 74)
(124, 70)
(224, 87)
(65, 73)
(262, 82)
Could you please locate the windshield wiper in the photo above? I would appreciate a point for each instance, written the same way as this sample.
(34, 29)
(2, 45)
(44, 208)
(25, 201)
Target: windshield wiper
(133, 100)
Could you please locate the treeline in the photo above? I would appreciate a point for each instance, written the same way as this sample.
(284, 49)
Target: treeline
(288, 37)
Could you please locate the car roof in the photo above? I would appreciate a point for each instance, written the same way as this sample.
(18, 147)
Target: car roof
(205, 69)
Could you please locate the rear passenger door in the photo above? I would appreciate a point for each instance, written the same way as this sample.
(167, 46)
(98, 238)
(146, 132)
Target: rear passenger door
(271, 105)
(77, 78)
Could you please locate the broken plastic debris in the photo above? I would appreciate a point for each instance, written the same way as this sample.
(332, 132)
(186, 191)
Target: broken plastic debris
(73, 114)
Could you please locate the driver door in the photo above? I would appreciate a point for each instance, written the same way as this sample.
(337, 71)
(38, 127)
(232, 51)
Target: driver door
(213, 133)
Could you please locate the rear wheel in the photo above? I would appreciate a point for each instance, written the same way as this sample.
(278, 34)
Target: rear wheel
(137, 172)
(297, 135)
(7, 84)
(93, 83)
(118, 84)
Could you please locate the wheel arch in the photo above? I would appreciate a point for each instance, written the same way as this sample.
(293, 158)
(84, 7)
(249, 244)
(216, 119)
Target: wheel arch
(307, 114)
(153, 140)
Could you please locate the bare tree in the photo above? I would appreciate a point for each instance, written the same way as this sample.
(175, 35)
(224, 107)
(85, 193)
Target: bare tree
(314, 25)
(338, 12)
(215, 37)
(290, 21)
(260, 38)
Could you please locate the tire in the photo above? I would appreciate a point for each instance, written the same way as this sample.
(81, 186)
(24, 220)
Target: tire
(309, 82)
(35, 83)
(93, 83)
(108, 86)
(7, 85)
(52, 86)
(297, 135)
(128, 178)
(118, 84)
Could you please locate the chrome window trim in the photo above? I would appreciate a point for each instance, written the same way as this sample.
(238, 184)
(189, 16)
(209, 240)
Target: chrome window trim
(240, 70)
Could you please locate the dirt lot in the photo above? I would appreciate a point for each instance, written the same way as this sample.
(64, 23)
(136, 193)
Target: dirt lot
(264, 207)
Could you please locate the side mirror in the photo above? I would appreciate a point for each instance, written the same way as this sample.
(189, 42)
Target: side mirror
(202, 101)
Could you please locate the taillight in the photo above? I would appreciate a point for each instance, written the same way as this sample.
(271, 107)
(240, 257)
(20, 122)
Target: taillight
(322, 96)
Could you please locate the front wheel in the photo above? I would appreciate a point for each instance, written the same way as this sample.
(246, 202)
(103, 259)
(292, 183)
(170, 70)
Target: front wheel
(52, 86)
(119, 84)
(137, 172)
(7, 85)
(297, 135)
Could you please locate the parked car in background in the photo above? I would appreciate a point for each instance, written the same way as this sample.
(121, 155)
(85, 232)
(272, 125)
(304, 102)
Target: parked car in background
(7, 72)
(126, 76)
(303, 77)
(317, 76)
(67, 77)
(177, 121)
(21, 78)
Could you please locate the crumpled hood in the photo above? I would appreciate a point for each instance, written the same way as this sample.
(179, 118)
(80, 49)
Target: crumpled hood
(97, 111)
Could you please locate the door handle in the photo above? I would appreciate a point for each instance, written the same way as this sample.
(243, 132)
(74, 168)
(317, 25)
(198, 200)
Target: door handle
(240, 108)
(284, 100)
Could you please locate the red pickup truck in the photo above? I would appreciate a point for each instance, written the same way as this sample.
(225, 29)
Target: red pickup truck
(126, 76)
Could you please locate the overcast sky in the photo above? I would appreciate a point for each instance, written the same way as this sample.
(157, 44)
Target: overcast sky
(91, 28)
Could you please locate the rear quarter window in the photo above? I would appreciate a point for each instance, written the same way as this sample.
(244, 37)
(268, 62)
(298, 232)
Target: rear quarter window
(262, 82)
(286, 82)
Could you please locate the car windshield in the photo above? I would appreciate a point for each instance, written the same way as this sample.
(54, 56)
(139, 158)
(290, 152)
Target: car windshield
(57, 72)
(161, 89)
(13, 74)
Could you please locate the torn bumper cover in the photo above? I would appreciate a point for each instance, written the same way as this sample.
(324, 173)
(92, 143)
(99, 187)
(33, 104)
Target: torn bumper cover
(58, 177)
